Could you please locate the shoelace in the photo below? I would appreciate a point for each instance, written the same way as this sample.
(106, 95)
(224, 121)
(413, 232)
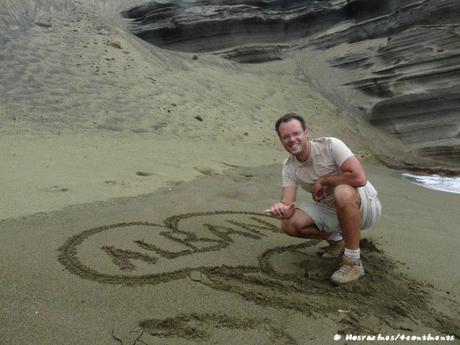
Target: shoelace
(346, 267)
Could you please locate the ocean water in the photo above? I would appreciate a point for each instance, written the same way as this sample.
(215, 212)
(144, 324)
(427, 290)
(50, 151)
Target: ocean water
(441, 183)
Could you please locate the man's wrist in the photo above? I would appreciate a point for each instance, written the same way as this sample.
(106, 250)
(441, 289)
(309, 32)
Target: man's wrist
(324, 180)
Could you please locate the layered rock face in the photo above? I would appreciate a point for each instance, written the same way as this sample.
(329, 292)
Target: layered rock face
(402, 55)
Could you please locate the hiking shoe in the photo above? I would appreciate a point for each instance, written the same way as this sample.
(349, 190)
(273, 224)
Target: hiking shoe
(334, 250)
(349, 270)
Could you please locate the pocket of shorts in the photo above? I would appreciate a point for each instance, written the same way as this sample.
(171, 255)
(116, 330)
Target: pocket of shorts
(370, 191)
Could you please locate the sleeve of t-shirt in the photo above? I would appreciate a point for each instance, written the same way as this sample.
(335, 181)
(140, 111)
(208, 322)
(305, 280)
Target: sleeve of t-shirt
(340, 152)
(288, 178)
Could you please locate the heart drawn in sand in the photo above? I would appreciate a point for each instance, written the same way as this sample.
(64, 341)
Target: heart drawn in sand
(135, 253)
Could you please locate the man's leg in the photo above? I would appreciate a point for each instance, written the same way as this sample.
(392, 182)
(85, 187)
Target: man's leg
(347, 203)
(301, 225)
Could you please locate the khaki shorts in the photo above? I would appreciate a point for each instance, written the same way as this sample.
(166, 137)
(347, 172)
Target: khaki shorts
(325, 215)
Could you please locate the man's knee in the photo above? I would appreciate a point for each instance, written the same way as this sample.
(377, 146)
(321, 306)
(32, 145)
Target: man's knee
(346, 196)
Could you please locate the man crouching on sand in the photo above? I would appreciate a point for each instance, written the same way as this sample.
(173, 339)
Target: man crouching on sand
(344, 201)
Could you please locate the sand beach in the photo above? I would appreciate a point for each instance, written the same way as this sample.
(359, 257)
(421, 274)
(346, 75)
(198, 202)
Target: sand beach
(133, 182)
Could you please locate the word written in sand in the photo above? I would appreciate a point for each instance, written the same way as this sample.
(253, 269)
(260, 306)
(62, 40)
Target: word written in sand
(145, 253)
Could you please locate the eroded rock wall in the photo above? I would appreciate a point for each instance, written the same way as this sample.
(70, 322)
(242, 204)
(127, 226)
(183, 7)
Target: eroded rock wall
(409, 80)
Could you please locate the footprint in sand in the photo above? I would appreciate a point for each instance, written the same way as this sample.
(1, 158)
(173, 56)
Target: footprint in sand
(144, 173)
(206, 171)
(56, 189)
(198, 328)
(117, 182)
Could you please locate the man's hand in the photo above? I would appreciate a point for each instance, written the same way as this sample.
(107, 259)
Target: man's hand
(281, 211)
(319, 191)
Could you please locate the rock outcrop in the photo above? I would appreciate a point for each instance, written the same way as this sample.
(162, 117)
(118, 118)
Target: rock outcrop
(403, 56)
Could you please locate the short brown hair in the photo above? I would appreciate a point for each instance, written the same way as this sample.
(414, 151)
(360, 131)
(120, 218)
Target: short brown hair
(288, 117)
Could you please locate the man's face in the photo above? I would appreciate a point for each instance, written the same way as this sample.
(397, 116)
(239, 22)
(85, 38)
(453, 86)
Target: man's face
(293, 137)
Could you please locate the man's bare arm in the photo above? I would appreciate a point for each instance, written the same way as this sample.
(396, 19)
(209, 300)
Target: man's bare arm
(288, 195)
(353, 174)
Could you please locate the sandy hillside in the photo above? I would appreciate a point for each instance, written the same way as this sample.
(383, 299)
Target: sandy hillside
(79, 91)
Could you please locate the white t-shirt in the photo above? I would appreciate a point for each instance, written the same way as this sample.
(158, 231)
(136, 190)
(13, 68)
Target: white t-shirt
(326, 157)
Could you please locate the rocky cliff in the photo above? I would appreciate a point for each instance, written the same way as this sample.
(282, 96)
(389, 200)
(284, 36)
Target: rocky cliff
(402, 55)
